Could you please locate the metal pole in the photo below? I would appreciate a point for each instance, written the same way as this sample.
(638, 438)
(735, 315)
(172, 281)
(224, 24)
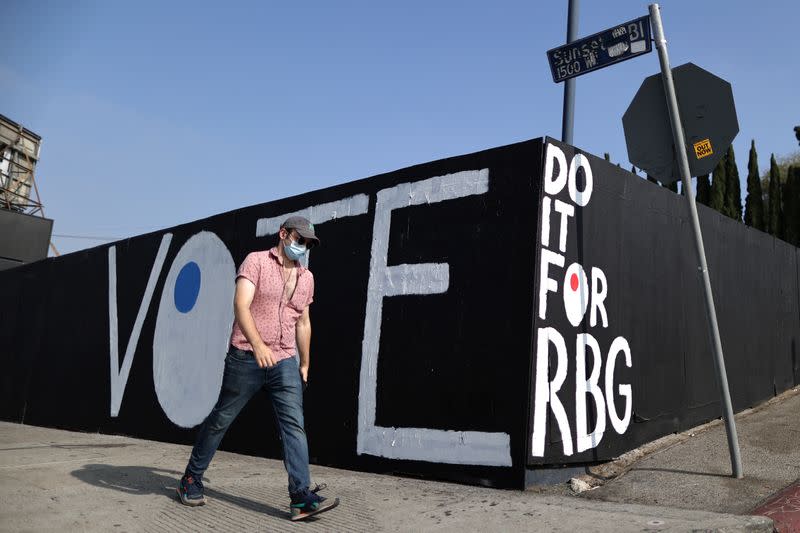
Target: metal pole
(683, 164)
(569, 85)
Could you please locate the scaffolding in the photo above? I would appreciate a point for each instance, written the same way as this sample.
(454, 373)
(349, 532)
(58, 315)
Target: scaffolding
(19, 153)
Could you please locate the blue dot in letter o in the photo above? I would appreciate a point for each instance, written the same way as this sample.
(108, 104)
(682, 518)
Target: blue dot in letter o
(187, 287)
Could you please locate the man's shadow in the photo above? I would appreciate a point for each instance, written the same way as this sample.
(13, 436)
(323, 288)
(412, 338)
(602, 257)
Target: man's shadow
(144, 480)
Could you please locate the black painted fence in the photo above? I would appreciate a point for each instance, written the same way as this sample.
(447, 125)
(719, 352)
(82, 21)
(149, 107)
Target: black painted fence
(432, 352)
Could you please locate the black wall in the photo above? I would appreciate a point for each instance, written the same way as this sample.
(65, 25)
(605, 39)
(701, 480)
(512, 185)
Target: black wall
(639, 235)
(455, 361)
(456, 367)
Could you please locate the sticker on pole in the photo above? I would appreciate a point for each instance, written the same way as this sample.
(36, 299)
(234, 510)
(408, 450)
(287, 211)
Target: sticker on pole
(703, 148)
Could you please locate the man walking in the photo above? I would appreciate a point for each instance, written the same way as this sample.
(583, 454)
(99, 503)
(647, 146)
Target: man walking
(273, 293)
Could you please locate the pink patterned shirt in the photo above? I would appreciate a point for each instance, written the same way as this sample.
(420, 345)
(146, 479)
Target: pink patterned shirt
(275, 319)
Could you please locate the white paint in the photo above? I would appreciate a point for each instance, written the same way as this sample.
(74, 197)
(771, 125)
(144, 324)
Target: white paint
(567, 175)
(421, 444)
(546, 392)
(452, 447)
(599, 293)
(316, 214)
(546, 203)
(546, 283)
(583, 439)
(119, 376)
(581, 198)
(576, 301)
(565, 210)
(189, 348)
(554, 183)
(620, 424)
(426, 278)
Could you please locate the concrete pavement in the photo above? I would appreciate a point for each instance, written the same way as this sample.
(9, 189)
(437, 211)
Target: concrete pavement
(60, 480)
(692, 470)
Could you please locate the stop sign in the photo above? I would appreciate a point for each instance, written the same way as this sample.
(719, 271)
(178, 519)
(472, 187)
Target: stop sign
(708, 114)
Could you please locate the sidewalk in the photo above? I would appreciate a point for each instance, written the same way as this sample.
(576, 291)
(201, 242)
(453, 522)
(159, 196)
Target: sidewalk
(58, 480)
(692, 470)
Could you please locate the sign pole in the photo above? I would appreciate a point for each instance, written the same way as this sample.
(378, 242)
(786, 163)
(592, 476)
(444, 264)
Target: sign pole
(567, 118)
(683, 165)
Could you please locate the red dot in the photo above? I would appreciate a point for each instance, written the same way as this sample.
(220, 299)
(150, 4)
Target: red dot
(573, 282)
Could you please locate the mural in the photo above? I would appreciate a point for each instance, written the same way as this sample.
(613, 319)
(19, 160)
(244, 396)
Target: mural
(475, 317)
(579, 294)
(620, 350)
(195, 315)
(193, 327)
(425, 444)
(119, 375)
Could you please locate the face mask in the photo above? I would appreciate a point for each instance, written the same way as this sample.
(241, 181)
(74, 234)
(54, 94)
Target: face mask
(294, 251)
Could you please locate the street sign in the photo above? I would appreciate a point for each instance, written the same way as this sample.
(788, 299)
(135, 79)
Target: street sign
(708, 114)
(602, 49)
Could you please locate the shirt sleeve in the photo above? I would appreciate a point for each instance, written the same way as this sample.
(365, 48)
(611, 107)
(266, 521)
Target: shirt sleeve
(250, 268)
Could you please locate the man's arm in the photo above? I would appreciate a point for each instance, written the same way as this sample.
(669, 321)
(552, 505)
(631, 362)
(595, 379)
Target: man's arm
(303, 336)
(245, 291)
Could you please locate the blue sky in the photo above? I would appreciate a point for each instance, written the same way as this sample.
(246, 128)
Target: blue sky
(157, 113)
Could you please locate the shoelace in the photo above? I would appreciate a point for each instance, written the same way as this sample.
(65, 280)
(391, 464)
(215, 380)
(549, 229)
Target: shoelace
(318, 487)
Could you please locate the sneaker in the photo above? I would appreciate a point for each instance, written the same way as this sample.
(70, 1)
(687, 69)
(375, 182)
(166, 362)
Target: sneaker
(307, 503)
(190, 491)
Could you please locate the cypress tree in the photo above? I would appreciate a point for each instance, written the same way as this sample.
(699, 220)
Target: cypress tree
(703, 190)
(775, 203)
(651, 179)
(754, 203)
(607, 157)
(633, 170)
(718, 186)
(671, 185)
(733, 189)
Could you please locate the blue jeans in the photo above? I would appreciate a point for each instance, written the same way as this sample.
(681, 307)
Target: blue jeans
(242, 379)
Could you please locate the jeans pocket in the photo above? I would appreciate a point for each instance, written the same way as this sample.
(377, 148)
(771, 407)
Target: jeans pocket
(240, 355)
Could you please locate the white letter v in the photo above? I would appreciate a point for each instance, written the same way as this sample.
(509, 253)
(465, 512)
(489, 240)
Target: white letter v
(119, 377)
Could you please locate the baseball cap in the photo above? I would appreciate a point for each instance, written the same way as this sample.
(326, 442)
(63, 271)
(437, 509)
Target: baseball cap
(303, 226)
